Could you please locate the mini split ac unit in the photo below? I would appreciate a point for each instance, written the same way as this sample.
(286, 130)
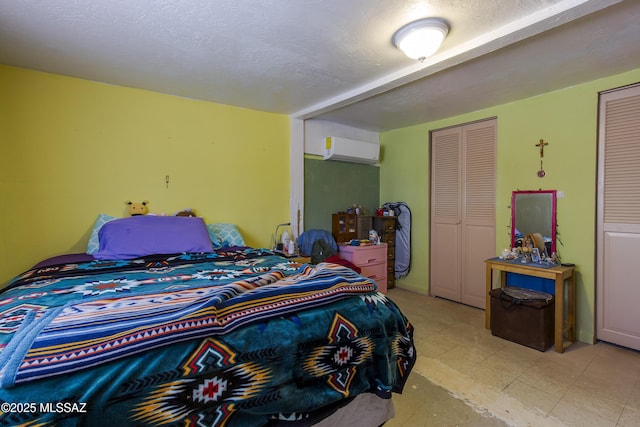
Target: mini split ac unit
(350, 150)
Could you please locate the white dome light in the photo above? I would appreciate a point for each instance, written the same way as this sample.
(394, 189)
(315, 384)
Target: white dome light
(422, 38)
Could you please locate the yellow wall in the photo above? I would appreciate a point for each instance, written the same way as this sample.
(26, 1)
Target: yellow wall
(567, 119)
(70, 149)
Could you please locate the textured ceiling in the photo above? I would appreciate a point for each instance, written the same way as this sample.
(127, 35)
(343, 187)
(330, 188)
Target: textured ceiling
(328, 59)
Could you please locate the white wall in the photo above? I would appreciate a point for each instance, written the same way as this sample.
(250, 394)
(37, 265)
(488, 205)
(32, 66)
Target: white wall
(315, 131)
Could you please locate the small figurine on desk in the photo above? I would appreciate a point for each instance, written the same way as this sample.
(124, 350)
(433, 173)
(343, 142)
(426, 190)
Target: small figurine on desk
(373, 237)
(509, 254)
(526, 253)
(527, 243)
(535, 255)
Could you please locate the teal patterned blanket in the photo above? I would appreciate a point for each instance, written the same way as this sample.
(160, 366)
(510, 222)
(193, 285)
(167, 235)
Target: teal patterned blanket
(234, 338)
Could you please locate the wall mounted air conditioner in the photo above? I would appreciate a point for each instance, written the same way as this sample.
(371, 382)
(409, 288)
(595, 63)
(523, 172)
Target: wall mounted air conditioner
(350, 150)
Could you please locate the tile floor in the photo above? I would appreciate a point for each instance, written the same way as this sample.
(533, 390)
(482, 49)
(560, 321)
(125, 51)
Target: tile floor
(587, 385)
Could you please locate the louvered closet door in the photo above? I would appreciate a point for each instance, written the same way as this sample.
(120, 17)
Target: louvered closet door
(446, 213)
(462, 210)
(478, 207)
(618, 236)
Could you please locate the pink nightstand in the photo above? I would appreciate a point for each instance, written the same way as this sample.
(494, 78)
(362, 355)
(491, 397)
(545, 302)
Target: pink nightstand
(371, 259)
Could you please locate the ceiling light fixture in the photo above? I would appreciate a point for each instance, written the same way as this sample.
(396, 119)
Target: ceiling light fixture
(422, 38)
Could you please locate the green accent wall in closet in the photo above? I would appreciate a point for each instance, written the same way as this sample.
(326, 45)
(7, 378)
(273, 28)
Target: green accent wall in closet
(331, 186)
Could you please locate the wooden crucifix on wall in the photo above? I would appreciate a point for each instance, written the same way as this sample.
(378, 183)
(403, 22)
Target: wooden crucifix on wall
(541, 145)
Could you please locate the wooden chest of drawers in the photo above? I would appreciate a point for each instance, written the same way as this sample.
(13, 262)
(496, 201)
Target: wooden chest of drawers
(371, 259)
(386, 228)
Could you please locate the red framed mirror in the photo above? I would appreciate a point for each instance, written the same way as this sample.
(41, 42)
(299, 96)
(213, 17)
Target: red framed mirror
(534, 212)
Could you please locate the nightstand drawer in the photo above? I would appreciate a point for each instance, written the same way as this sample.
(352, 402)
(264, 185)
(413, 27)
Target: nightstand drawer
(376, 272)
(363, 255)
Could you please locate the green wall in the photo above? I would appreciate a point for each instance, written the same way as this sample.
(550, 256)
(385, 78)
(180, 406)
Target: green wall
(71, 149)
(331, 186)
(567, 119)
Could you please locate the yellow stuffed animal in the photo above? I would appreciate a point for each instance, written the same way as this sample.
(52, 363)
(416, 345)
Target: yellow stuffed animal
(138, 208)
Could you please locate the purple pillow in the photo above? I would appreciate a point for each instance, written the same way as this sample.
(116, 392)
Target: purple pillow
(138, 236)
(64, 259)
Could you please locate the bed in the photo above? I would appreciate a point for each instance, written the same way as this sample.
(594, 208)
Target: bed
(161, 325)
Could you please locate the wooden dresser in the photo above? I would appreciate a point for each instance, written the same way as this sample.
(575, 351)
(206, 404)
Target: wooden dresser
(371, 259)
(346, 227)
(386, 228)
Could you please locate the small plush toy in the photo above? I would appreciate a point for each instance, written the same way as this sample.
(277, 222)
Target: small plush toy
(138, 208)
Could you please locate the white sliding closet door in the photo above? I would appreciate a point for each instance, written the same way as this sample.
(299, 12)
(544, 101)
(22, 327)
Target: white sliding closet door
(618, 235)
(463, 230)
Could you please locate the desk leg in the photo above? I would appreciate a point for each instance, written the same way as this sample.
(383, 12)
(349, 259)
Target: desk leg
(559, 316)
(571, 305)
(487, 310)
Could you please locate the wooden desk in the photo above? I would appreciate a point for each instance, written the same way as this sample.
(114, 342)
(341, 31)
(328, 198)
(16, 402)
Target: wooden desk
(560, 275)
